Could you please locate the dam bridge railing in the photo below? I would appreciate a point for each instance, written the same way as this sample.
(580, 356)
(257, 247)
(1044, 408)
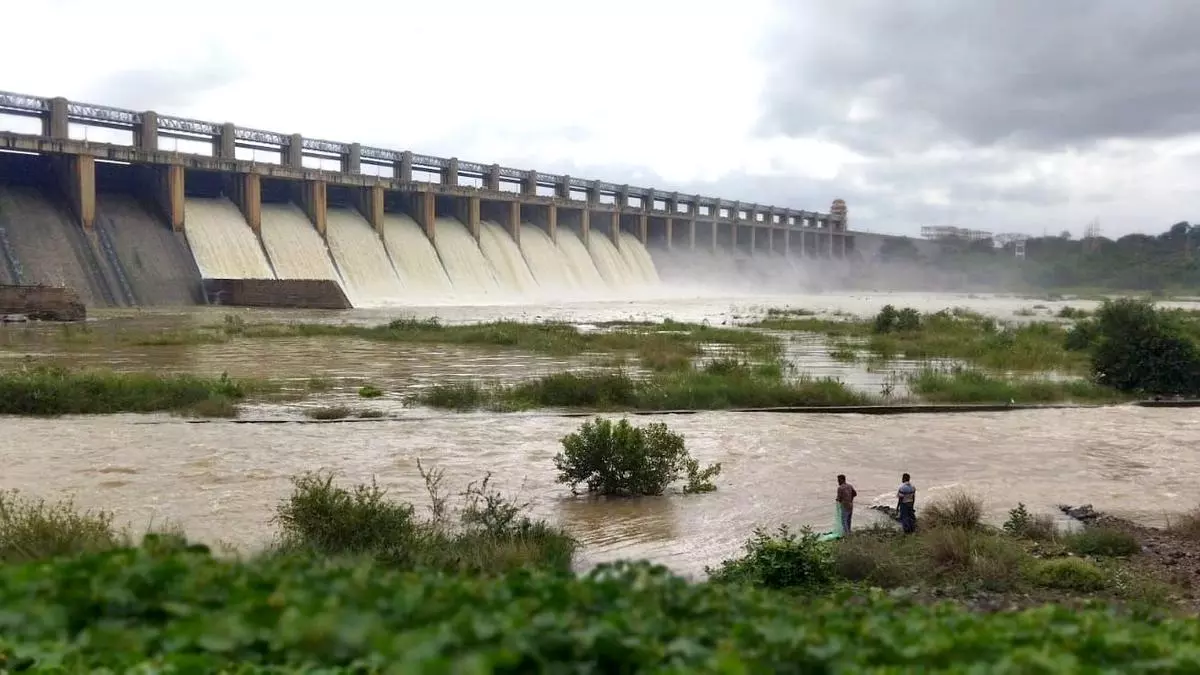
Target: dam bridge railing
(146, 137)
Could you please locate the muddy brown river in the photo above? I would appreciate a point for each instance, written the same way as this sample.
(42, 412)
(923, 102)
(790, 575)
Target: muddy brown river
(221, 480)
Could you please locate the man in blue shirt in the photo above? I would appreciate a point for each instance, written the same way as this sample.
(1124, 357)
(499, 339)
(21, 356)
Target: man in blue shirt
(907, 496)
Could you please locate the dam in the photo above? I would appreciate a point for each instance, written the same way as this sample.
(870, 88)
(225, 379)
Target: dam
(164, 209)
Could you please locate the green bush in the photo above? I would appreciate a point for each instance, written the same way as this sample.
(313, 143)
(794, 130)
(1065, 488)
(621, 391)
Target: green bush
(1141, 349)
(32, 529)
(1103, 541)
(1068, 574)
(623, 460)
(369, 391)
(177, 609)
(783, 560)
(1021, 523)
(891, 320)
(491, 533)
(955, 509)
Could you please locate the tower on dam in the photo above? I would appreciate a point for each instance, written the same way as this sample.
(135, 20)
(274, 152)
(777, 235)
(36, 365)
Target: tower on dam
(164, 202)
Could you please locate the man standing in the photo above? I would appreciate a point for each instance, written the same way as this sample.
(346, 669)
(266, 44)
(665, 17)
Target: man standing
(845, 499)
(907, 496)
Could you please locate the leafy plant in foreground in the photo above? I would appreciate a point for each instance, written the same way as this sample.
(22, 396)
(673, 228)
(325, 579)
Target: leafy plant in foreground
(782, 560)
(174, 608)
(619, 459)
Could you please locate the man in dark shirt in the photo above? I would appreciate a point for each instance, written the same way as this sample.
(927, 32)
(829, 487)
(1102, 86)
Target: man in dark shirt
(906, 497)
(845, 498)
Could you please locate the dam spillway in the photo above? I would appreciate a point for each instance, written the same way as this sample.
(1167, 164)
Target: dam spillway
(125, 222)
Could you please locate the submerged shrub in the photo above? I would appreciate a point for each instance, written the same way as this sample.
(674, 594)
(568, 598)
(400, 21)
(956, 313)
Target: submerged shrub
(619, 459)
(1142, 349)
(782, 560)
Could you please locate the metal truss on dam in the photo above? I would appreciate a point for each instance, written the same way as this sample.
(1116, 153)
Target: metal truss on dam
(377, 179)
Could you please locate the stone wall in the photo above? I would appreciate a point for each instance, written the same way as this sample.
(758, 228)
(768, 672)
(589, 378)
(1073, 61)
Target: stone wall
(44, 303)
(297, 293)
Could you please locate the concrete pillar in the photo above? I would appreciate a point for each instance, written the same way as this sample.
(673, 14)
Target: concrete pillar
(468, 212)
(169, 194)
(250, 201)
(352, 161)
(450, 173)
(370, 205)
(615, 232)
(427, 213)
(733, 232)
(552, 222)
(78, 176)
(226, 142)
(491, 178)
(402, 171)
(315, 205)
(715, 226)
(293, 154)
(771, 238)
(787, 243)
(563, 189)
(753, 234)
(514, 220)
(692, 234)
(670, 234)
(529, 184)
(643, 226)
(147, 132)
(57, 124)
(622, 197)
(585, 224)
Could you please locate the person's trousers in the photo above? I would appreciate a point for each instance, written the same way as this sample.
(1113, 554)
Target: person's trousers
(847, 514)
(908, 517)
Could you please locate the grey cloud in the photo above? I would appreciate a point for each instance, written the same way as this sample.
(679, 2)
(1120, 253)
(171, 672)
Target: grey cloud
(1025, 73)
(164, 88)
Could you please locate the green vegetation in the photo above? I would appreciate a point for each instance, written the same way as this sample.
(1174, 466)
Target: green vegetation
(780, 560)
(491, 533)
(1135, 347)
(623, 460)
(962, 385)
(50, 390)
(369, 391)
(717, 385)
(170, 607)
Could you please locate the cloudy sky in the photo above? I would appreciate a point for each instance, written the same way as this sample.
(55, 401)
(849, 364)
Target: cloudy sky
(1010, 115)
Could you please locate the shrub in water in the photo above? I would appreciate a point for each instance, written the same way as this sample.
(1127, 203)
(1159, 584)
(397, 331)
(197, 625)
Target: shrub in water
(1068, 574)
(782, 560)
(620, 459)
(1141, 349)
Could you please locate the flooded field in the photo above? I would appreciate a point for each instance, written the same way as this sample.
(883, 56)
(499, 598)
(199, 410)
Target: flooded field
(221, 479)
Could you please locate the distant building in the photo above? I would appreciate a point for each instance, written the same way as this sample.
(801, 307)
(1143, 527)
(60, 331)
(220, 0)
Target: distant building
(952, 232)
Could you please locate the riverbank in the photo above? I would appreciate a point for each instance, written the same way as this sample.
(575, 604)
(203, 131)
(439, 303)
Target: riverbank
(956, 595)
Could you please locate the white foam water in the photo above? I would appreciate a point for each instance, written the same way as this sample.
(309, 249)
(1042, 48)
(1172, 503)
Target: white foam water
(294, 247)
(502, 251)
(469, 271)
(367, 273)
(415, 259)
(222, 243)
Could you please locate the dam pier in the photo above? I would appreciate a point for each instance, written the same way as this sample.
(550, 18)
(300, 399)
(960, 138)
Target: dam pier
(173, 211)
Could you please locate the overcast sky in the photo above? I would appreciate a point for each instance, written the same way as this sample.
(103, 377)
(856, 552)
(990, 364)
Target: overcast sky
(1009, 115)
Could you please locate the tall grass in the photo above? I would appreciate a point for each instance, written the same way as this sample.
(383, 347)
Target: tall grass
(718, 385)
(488, 533)
(51, 390)
(33, 529)
(960, 385)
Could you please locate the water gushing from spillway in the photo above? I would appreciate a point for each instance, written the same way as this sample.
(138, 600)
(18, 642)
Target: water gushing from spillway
(638, 260)
(367, 273)
(549, 266)
(609, 262)
(223, 244)
(502, 251)
(468, 269)
(415, 258)
(580, 262)
(293, 245)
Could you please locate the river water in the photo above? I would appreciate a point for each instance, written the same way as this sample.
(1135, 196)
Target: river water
(221, 480)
